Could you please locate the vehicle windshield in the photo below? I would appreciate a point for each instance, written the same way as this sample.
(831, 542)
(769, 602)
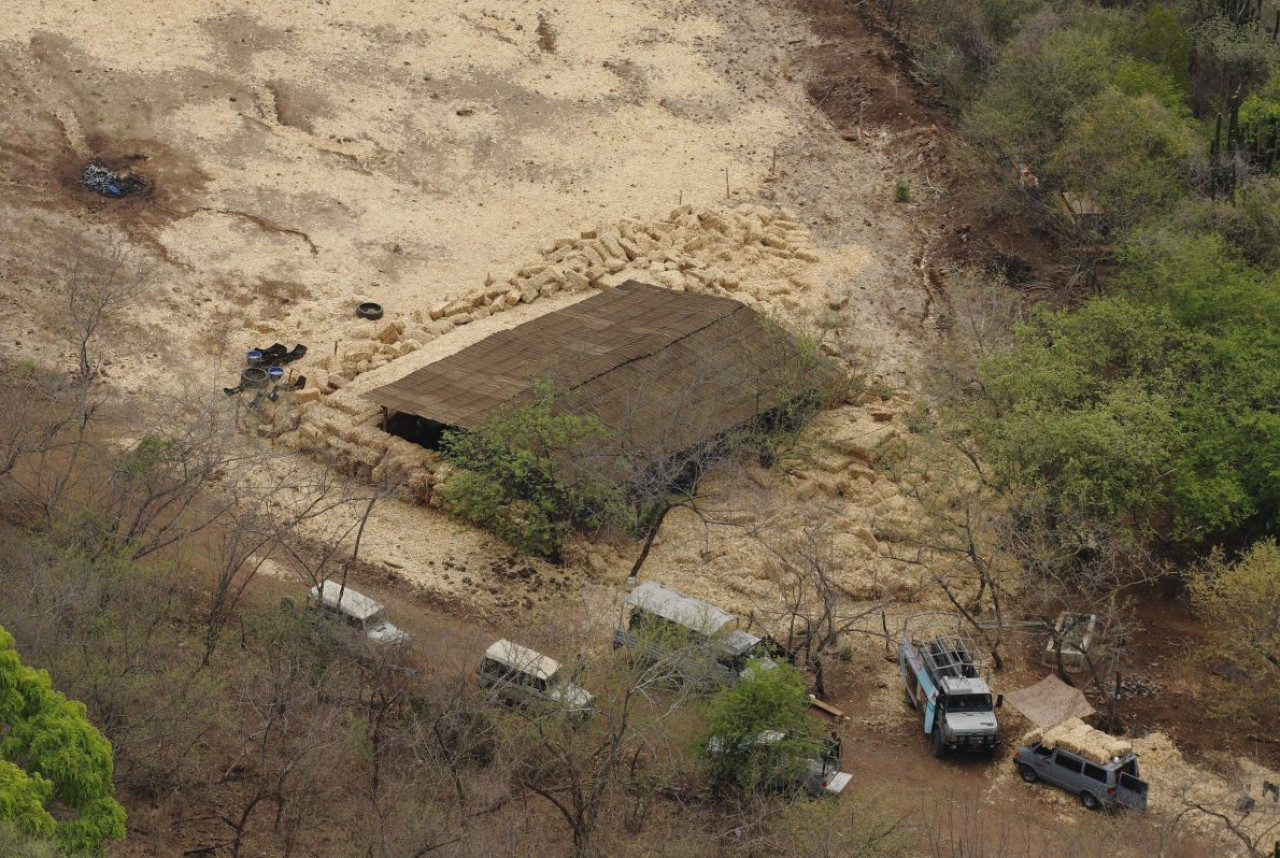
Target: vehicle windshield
(969, 703)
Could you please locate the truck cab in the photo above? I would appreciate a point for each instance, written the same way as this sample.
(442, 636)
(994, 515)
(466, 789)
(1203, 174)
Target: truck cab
(953, 701)
(658, 621)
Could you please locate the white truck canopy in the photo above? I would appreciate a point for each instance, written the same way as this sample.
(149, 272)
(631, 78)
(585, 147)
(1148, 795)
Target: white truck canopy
(522, 658)
(357, 606)
(662, 601)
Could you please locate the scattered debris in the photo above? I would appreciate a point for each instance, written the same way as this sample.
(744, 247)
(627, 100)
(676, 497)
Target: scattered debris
(1138, 686)
(275, 355)
(100, 180)
(265, 367)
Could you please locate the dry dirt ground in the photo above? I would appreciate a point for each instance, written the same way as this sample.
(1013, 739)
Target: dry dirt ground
(304, 158)
(440, 158)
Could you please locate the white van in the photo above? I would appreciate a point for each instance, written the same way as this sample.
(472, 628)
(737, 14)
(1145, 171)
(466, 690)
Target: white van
(520, 675)
(359, 610)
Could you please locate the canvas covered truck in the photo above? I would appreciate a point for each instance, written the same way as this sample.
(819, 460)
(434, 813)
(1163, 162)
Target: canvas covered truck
(658, 621)
(945, 688)
(821, 773)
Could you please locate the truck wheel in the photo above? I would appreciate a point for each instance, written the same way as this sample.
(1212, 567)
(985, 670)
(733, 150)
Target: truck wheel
(939, 746)
(1089, 800)
(1027, 773)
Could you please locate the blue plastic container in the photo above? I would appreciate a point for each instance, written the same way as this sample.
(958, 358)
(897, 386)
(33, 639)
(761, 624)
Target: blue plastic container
(253, 357)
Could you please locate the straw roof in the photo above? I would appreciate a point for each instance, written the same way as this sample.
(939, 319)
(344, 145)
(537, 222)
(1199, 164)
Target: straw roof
(664, 370)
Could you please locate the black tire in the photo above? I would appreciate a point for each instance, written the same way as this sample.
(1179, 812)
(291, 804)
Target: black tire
(369, 310)
(1027, 773)
(1089, 800)
(939, 746)
(253, 376)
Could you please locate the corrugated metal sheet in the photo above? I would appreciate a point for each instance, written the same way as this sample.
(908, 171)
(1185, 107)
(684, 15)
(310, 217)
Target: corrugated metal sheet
(663, 369)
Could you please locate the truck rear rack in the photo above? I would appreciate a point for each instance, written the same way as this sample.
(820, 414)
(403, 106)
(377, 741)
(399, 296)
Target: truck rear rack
(949, 656)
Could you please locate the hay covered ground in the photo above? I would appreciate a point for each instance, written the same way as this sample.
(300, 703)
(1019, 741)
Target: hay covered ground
(435, 157)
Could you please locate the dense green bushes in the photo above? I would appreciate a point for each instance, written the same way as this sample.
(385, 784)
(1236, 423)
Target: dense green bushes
(1125, 411)
(49, 750)
(528, 477)
(1157, 404)
(759, 731)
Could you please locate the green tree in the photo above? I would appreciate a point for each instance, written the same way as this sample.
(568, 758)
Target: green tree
(759, 732)
(1229, 59)
(1129, 150)
(1159, 409)
(1040, 80)
(528, 476)
(1160, 39)
(50, 751)
(1078, 406)
(1241, 602)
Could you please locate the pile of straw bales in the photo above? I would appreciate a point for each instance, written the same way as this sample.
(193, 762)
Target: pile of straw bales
(1079, 738)
(717, 250)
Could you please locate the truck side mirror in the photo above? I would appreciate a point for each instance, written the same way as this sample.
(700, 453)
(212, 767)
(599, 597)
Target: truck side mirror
(999, 700)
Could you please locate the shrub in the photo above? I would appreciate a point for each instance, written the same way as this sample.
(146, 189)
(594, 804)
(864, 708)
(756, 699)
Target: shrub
(521, 477)
(50, 750)
(759, 731)
(1241, 601)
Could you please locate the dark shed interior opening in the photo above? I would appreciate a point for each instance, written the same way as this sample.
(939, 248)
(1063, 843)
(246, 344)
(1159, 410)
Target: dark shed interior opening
(417, 429)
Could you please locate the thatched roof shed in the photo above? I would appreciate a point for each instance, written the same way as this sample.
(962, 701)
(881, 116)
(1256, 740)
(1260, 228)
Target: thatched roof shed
(663, 370)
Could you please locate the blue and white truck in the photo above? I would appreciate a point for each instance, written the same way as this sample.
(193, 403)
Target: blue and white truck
(945, 688)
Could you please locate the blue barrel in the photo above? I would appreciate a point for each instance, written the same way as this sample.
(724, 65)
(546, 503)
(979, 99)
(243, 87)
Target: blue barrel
(253, 357)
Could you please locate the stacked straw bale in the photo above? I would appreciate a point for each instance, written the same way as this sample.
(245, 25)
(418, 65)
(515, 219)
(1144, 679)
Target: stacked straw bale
(1079, 738)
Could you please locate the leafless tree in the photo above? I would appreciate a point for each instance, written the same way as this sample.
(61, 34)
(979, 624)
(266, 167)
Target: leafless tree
(959, 544)
(299, 514)
(42, 459)
(960, 826)
(819, 612)
(1008, 560)
(290, 727)
(573, 766)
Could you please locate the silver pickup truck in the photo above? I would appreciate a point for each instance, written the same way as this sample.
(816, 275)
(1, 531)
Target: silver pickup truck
(1097, 784)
